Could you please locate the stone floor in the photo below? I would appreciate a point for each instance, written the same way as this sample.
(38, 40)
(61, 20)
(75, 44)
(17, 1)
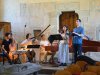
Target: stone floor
(46, 69)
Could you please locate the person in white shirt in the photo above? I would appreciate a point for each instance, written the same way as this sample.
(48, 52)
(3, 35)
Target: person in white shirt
(30, 52)
(44, 42)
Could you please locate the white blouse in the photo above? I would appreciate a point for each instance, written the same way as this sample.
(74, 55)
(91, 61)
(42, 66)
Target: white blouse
(44, 43)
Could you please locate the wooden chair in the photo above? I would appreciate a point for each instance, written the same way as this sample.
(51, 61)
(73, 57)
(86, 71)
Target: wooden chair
(82, 65)
(1, 55)
(74, 69)
(51, 51)
(63, 72)
(88, 73)
(98, 63)
(94, 69)
(99, 70)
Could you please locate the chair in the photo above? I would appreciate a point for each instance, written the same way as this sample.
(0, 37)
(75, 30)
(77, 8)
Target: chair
(63, 72)
(74, 69)
(98, 63)
(51, 51)
(94, 69)
(99, 70)
(1, 55)
(88, 73)
(82, 65)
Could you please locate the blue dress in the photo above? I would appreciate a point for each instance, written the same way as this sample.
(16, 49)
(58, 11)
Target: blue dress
(63, 51)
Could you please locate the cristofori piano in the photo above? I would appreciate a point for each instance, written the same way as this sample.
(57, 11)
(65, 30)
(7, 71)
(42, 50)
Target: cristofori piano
(88, 46)
(91, 46)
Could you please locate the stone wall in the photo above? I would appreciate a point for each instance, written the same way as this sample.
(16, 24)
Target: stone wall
(38, 14)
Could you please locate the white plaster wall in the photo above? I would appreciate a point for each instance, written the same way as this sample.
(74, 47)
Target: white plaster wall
(38, 14)
(98, 33)
(1, 9)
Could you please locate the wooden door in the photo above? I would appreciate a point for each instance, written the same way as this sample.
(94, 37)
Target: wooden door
(5, 27)
(36, 33)
(68, 19)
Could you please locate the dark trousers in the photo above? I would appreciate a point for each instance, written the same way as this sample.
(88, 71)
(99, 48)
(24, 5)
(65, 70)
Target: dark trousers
(77, 48)
(7, 56)
(30, 55)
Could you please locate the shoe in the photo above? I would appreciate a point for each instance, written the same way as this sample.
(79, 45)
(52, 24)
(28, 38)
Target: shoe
(61, 64)
(10, 63)
(64, 64)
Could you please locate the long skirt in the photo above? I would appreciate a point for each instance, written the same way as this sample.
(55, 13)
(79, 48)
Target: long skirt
(63, 53)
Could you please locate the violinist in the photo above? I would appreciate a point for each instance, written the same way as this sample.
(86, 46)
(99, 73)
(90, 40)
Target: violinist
(30, 52)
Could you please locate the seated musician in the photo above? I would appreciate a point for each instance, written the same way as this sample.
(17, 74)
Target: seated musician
(12, 48)
(30, 52)
(5, 46)
(44, 42)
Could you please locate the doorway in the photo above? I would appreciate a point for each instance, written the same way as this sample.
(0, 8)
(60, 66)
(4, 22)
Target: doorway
(36, 34)
(68, 18)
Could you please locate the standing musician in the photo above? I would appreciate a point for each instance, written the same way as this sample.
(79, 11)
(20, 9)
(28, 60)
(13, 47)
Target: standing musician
(78, 33)
(63, 52)
(5, 46)
(30, 52)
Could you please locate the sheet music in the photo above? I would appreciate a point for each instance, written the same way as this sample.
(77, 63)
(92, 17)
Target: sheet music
(20, 51)
(76, 34)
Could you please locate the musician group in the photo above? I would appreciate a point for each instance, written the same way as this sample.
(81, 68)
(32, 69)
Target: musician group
(9, 46)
